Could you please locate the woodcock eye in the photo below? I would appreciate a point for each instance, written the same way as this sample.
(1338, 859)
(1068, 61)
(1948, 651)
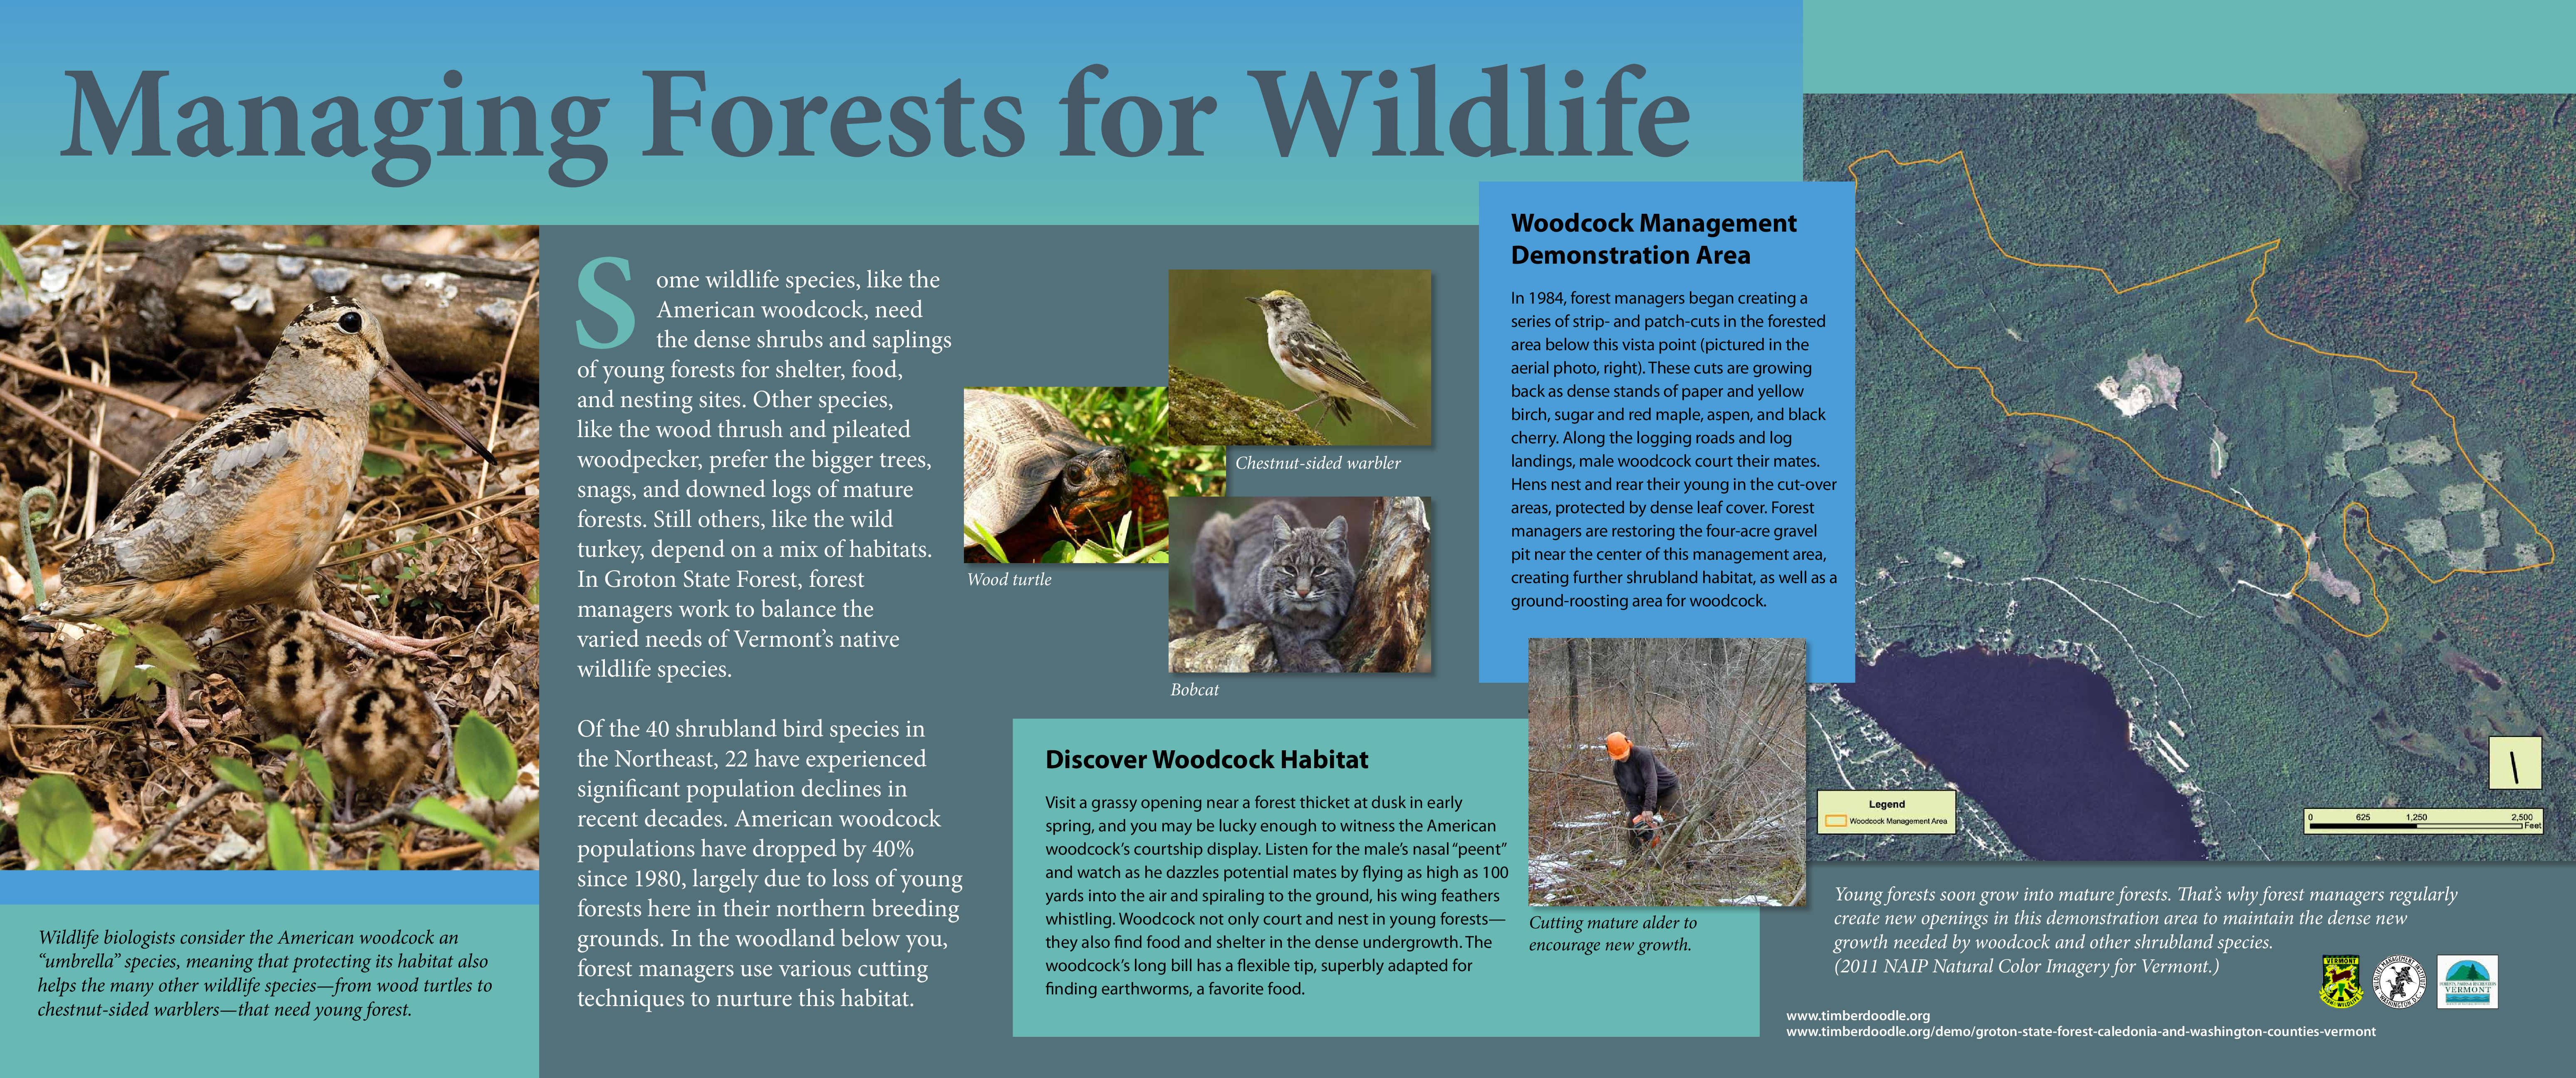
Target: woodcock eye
(350, 322)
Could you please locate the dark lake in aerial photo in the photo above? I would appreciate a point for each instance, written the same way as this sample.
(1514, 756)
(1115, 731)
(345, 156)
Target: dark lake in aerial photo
(2041, 743)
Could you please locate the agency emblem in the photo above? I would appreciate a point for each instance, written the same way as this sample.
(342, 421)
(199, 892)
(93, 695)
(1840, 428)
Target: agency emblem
(2398, 982)
(2468, 982)
(2342, 986)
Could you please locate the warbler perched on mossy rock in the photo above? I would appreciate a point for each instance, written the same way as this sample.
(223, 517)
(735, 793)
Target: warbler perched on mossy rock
(1311, 358)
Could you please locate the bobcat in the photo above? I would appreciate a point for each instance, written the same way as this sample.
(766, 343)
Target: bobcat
(1270, 566)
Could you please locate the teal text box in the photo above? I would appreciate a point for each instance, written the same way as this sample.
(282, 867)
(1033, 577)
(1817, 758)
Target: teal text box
(1710, 989)
(496, 1030)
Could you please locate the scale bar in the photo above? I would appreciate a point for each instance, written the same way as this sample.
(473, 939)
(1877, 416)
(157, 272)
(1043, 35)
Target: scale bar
(2427, 821)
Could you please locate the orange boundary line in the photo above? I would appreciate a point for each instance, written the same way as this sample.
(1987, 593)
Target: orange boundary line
(2253, 314)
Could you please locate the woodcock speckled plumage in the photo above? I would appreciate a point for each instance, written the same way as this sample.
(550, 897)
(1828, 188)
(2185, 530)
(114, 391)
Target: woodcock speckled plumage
(32, 676)
(377, 727)
(242, 508)
(292, 682)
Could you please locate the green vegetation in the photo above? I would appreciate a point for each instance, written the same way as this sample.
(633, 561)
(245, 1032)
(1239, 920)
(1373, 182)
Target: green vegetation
(1383, 317)
(54, 823)
(487, 767)
(2424, 264)
(120, 675)
(287, 848)
(1132, 417)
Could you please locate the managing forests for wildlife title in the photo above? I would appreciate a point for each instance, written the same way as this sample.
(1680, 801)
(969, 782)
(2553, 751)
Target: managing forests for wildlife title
(1213, 760)
(801, 126)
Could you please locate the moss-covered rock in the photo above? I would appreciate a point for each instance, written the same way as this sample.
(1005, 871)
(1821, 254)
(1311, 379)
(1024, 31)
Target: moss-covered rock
(1205, 412)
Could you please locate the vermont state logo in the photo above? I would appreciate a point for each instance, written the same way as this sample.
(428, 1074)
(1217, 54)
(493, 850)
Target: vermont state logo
(2342, 986)
(2468, 980)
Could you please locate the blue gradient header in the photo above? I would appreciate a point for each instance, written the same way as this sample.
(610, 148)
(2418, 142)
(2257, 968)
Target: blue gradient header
(802, 113)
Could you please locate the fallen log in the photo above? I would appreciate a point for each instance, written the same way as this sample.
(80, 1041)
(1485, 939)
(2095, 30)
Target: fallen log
(445, 316)
(1205, 412)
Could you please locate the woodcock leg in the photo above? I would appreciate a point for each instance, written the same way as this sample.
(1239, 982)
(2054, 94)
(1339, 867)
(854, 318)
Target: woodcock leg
(376, 641)
(176, 711)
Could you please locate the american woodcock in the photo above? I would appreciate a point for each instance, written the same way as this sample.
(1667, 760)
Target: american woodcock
(242, 508)
(297, 668)
(32, 676)
(377, 727)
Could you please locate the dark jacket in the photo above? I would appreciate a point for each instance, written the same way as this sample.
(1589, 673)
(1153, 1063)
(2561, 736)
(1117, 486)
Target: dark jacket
(1644, 782)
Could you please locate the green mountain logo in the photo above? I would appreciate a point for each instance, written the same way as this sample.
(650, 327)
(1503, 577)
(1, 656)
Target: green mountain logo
(2467, 971)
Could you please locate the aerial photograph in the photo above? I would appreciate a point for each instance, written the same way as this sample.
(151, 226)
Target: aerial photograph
(2217, 450)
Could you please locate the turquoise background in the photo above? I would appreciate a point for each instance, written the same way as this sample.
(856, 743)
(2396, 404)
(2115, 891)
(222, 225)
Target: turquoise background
(1736, 66)
(1711, 990)
(483, 1033)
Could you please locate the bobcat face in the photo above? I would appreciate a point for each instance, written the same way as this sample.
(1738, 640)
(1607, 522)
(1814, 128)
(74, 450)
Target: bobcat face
(1309, 572)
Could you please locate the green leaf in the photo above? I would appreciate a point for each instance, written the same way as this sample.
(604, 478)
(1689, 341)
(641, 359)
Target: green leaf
(114, 662)
(139, 679)
(522, 827)
(1148, 554)
(380, 465)
(1159, 557)
(9, 263)
(282, 743)
(285, 840)
(390, 858)
(485, 763)
(239, 774)
(315, 240)
(532, 591)
(977, 532)
(286, 776)
(54, 823)
(166, 645)
(441, 814)
(1058, 554)
(1093, 554)
(320, 769)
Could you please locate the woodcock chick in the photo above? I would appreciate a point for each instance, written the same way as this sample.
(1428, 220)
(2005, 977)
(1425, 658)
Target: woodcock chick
(377, 728)
(32, 676)
(243, 507)
(291, 684)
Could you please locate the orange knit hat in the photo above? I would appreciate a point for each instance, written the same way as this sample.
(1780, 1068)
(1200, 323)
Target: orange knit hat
(1618, 745)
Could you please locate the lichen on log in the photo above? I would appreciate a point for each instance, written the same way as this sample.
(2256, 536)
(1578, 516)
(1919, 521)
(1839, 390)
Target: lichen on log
(1205, 412)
